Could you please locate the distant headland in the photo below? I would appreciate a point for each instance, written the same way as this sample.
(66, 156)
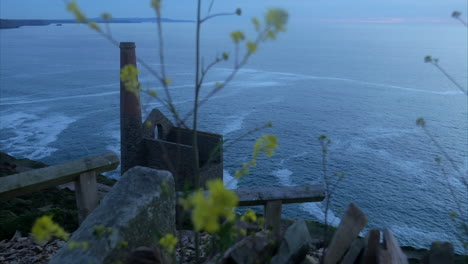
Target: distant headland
(16, 23)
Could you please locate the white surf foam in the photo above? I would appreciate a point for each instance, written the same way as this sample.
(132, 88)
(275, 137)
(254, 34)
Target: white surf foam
(229, 181)
(317, 210)
(32, 134)
(59, 98)
(295, 76)
(234, 123)
(284, 176)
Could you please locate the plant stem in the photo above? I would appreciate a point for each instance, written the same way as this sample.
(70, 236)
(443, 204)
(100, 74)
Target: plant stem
(195, 104)
(195, 117)
(450, 78)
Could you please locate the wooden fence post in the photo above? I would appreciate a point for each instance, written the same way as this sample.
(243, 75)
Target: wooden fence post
(86, 194)
(273, 216)
(351, 224)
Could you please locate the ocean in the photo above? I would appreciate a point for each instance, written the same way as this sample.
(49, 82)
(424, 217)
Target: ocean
(363, 85)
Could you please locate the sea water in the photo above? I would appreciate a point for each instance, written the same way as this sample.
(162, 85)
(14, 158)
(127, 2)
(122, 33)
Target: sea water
(363, 85)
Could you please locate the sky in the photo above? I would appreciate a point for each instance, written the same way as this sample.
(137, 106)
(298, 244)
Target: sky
(391, 11)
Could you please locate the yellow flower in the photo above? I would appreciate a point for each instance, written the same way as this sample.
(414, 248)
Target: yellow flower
(44, 228)
(251, 47)
(168, 242)
(209, 209)
(156, 4)
(276, 18)
(79, 16)
(249, 216)
(129, 76)
(244, 170)
(224, 201)
(237, 36)
(267, 145)
(243, 232)
(271, 141)
(256, 23)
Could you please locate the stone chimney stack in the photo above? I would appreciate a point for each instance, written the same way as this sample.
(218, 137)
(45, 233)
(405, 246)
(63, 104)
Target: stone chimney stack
(130, 115)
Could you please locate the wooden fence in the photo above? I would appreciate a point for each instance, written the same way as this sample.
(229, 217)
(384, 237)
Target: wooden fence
(82, 172)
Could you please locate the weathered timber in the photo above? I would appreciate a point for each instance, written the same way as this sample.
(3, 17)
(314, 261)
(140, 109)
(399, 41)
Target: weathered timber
(372, 251)
(273, 216)
(391, 253)
(351, 224)
(295, 244)
(440, 253)
(86, 194)
(354, 251)
(38, 179)
(131, 132)
(287, 195)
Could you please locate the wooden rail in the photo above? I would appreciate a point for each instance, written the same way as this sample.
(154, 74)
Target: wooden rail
(83, 172)
(272, 198)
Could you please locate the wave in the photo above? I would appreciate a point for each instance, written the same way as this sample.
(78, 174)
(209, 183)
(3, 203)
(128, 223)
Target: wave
(60, 98)
(32, 134)
(284, 177)
(229, 181)
(234, 123)
(297, 77)
(317, 210)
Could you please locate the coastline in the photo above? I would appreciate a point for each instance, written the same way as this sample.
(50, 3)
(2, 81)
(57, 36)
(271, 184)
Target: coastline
(17, 23)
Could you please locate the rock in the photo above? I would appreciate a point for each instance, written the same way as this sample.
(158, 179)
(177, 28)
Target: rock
(295, 244)
(310, 260)
(251, 249)
(145, 255)
(139, 209)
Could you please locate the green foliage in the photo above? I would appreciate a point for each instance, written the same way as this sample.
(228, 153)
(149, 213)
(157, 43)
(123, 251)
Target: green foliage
(264, 145)
(100, 231)
(122, 244)
(421, 122)
(73, 245)
(44, 229)
(237, 36)
(212, 211)
(106, 16)
(23, 223)
(459, 218)
(428, 59)
(79, 16)
(277, 18)
(156, 4)
(256, 23)
(168, 243)
(251, 47)
(249, 216)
